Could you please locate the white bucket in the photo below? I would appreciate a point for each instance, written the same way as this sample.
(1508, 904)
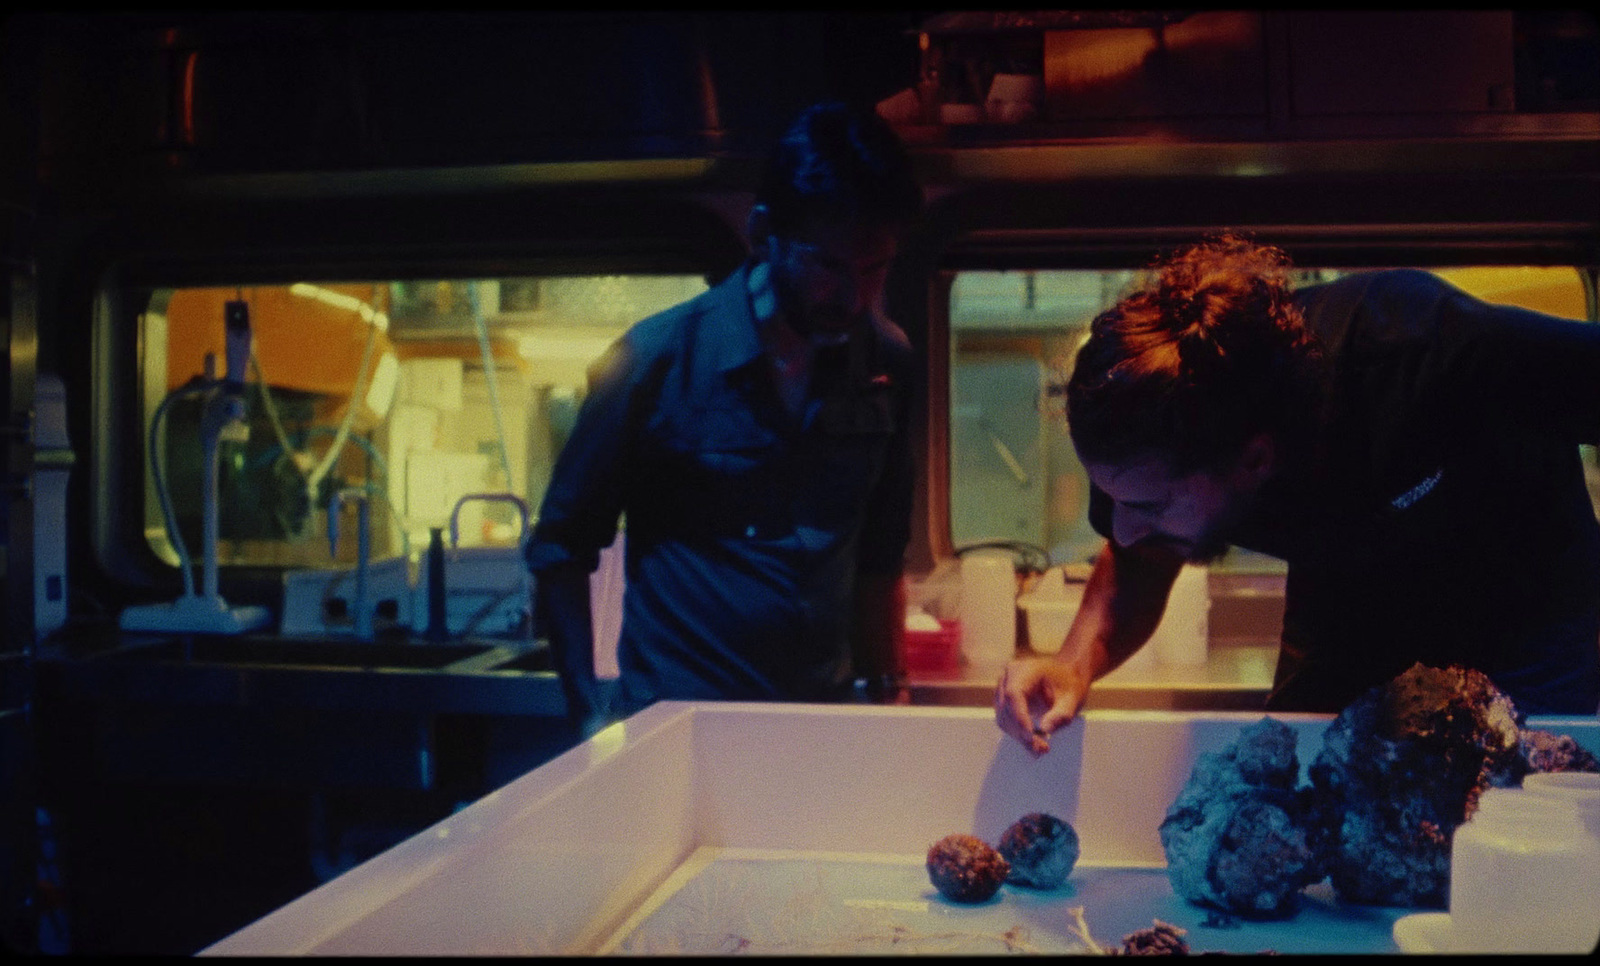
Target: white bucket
(1050, 610)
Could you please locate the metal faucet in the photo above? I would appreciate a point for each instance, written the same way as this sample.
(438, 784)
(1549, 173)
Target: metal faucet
(359, 604)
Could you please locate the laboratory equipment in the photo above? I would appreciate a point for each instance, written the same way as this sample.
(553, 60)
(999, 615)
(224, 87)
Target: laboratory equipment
(361, 604)
(222, 416)
(362, 600)
(485, 591)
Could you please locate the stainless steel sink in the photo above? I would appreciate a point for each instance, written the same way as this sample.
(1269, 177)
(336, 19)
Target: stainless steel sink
(471, 675)
(282, 652)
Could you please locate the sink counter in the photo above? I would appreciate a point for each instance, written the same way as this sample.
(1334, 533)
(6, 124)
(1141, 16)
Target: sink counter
(486, 676)
(1244, 626)
(470, 676)
(1235, 677)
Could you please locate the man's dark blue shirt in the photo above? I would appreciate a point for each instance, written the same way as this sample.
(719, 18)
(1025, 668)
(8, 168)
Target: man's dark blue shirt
(746, 524)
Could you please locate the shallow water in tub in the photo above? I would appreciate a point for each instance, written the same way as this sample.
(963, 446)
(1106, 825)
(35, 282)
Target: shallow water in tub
(725, 901)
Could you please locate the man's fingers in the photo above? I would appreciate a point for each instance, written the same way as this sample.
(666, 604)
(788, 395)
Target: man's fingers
(1011, 709)
(1059, 716)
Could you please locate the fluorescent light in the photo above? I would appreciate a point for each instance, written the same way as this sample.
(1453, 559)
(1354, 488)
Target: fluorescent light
(339, 300)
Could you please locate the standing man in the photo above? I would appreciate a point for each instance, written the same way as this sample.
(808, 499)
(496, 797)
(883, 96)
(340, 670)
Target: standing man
(755, 441)
(1410, 451)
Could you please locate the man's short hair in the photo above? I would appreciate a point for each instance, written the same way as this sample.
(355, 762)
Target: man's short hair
(838, 162)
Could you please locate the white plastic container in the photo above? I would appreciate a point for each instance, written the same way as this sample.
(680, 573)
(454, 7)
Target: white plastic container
(1181, 638)
(1581, 789)
(307, 593)
(1050, 609)
(988, 608)
(1523, 874)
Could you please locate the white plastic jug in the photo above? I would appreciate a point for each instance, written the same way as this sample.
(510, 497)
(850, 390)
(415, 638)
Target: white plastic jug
(988, 608)
(1522, 877)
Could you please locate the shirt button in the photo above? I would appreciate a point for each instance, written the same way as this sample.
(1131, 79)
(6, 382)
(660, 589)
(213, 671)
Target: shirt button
(750, 531)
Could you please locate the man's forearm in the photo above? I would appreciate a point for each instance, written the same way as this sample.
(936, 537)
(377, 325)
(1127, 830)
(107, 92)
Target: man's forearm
(566, 617)
(1122, 607)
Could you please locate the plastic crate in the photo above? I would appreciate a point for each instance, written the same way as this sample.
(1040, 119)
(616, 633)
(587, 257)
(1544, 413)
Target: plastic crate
(933, 651)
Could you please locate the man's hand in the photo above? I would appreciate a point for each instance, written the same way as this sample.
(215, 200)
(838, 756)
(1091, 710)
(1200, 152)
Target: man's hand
(1035, 696)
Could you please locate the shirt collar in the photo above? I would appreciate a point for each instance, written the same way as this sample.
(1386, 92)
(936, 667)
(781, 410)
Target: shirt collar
(763, 297)
(737, 340)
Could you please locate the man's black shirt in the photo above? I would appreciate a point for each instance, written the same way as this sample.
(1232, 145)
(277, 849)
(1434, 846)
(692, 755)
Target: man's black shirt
(1439, 512)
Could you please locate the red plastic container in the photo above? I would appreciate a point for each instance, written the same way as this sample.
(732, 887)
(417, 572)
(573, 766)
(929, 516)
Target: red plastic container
(933, 652)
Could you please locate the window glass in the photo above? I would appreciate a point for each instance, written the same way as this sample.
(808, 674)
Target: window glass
(416, 392)
(1014, 476)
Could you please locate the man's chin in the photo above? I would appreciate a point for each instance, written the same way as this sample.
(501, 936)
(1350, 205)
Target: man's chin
(1206, 553)
(1202, 553)
(831, 328)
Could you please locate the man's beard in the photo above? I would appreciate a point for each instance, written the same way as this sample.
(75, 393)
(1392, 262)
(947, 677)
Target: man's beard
(1209, 550)
(1214, 543)
(821, 321)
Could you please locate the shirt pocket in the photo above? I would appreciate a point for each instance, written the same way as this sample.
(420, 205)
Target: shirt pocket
(725, 440)
(717, 467)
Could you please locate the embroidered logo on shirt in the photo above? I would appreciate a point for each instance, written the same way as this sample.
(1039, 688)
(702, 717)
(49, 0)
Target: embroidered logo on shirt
(1417, 492)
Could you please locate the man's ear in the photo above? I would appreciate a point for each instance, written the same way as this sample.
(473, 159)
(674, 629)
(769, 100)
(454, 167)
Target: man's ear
(758, 227)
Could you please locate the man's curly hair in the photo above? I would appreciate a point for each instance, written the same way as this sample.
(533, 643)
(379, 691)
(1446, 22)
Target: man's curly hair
(1188, 368)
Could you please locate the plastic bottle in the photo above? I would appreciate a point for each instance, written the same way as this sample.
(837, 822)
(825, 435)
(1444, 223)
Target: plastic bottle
(438, 628)
(1523, 874)
(988, 609)
(1580, 788)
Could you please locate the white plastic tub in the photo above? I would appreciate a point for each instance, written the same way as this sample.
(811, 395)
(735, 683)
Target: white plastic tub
(569, 857)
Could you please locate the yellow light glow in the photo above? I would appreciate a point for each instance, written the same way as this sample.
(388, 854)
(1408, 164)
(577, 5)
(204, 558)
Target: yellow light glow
(609, 740)
(1553, 290)
(584, 348)
(1085, 59)
(381, 391)
(339, 300)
